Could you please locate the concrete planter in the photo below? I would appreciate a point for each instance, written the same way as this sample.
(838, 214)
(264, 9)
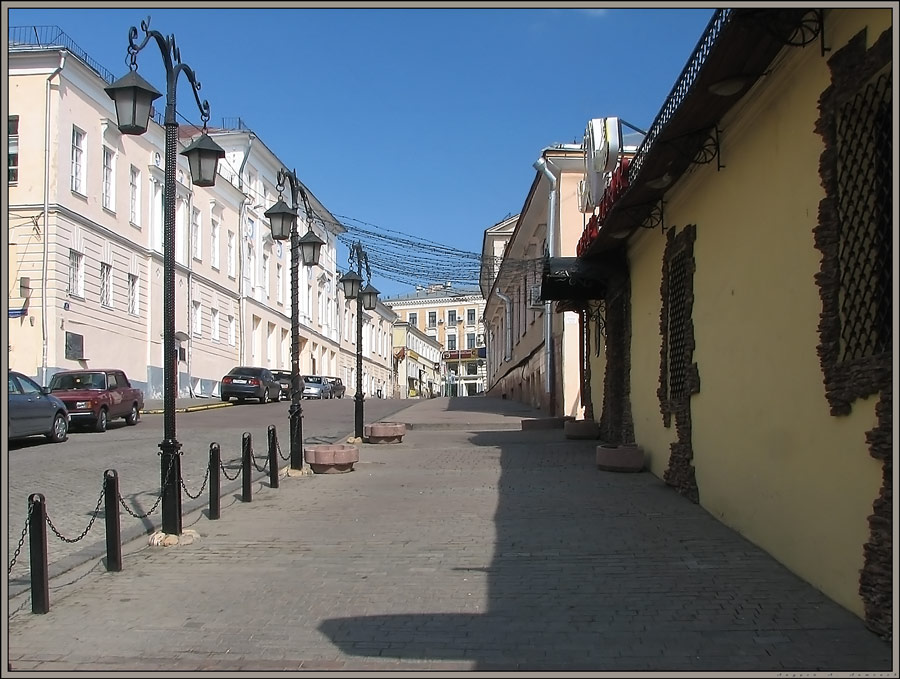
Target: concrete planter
(624, 458)
(581, 429)
(332, 458)
(384, 432)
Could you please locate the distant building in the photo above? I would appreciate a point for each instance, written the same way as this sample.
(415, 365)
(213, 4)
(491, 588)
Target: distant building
(453, 318)
(416, 362)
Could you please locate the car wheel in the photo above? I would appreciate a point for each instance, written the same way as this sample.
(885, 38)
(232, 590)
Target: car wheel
(225, 398)
(264, 398)
(60, 431)
(132, 417)
(102, 420)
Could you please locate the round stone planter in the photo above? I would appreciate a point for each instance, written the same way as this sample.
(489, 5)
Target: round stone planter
(625, 458)
(332, 458)
(384, 432)
(581, 429)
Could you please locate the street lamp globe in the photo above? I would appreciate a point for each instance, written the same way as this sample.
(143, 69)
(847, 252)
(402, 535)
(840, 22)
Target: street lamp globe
(282, 218)
(203, 158)
(310, 245)
(369, 297)
(133, 97)
(351, 281)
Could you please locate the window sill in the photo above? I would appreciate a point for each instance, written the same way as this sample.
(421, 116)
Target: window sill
(79, 194)
(108, 210)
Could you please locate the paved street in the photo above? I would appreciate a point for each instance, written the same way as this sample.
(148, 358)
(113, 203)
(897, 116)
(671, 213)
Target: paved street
(472, 545)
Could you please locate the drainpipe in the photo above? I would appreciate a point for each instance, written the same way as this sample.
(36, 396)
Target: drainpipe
(544, 166)
(45, 234)
(240, 234)
(507, 351)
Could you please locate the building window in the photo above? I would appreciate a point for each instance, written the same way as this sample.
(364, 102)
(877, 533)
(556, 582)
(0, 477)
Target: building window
(232, 264)
(76, 274)
(855, 230)
(451, 317)
(214, 243)
(215, 324)
(108, 187)
(232, 331)
(432, 319)
(12, 128)
(471, 368)
(279, 283)
(412, 318)
(676, 306)
(470, 316)
(77, 178)
(106, 284)
(451, 341)
(265, 274)
(134, 196)
(133, 295)
(470, 340)
(196, 236)
(197, 318)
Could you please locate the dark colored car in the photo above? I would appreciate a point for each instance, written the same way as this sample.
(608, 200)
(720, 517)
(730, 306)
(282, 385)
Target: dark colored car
(244, 382)
(32, 410)
(316, 386)
(284, 378)
(337, 387)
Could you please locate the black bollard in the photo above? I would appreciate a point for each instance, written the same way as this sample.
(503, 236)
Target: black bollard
(37, 535)
(113, 529)
(273, 457)
(246, 452)
(215, 461)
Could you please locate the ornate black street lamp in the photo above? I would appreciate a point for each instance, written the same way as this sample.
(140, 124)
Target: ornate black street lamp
(366, 298)
(283, 219)
(133, 97)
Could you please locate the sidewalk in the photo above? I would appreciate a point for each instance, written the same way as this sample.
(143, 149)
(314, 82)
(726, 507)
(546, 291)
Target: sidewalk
(471, 545)
(154, 406)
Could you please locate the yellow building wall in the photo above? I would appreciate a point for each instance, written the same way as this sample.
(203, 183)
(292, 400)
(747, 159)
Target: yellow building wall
(770, 461)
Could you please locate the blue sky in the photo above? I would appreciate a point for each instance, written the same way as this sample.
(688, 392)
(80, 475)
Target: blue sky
(421, 121)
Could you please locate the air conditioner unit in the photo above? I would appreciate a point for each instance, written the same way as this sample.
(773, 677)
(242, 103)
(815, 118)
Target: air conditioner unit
(585, 205)
(534, 297)
(602, 144)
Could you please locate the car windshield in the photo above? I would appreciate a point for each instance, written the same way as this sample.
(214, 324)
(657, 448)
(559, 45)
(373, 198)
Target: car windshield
(67, 382)
(312, 378)
(255, 372)
(281, 375)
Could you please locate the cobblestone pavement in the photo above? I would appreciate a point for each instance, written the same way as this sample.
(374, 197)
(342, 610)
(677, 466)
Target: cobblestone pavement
(471, 545)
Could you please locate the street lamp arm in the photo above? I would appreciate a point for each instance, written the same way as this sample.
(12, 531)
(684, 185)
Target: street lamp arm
(172, 61)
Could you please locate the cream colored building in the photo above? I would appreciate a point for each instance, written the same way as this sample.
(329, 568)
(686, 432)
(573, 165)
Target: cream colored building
(453, 317)
(377, 373)
(748, 304)
(416, 362)
(532, 351)
(85, 227)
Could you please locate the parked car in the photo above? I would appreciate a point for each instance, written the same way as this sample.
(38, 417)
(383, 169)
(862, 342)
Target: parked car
(338, 389)
(32, 409)
(316, 386)
(244, 382)
(284, 378)
(93, 397)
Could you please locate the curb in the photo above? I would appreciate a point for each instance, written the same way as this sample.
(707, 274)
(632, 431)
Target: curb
(188, 409)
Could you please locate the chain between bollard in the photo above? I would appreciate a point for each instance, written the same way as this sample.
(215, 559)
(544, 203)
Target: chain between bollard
(230, 478)
(22, 539)
(155, 504)
(253, 459)
(202, 488)
(86, 530)
(278, 447)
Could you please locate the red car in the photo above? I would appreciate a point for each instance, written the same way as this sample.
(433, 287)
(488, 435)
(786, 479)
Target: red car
(93, 397)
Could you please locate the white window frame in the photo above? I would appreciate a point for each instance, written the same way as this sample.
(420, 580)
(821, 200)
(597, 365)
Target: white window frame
(76, 274)
(134, 187)
(232, 331)
(455, 347)
(12, 128)
(279, 283)
(134, 292)
(196, 235)
(265, 273)
(108, 185)
(214, 243)
(78, 180)
(197, 318)
(214, 313)
(232, 262)
(106, 291)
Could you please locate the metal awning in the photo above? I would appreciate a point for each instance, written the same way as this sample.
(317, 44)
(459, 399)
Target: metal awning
(574, 279)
